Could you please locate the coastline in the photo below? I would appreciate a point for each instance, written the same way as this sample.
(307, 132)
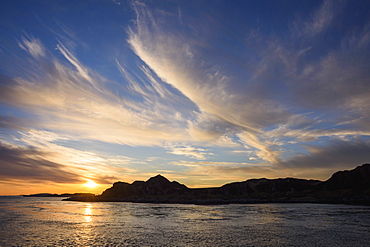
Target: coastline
(344, 187)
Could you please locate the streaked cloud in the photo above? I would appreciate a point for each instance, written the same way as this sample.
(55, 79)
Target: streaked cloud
(222, 110)
(321, 18)
(28, 164)
(81, 102)
(196, 153)
(337, 153)
(33, 46)
(187, 91)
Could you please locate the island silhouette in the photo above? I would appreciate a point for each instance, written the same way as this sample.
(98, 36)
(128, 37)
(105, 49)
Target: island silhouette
(348, 187)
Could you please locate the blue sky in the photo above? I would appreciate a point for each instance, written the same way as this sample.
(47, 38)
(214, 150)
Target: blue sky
(202, 92)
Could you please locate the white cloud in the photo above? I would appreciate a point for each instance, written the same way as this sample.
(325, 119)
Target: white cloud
(186, 150)
(33, 46)
(80, 68)
(85, 163)
(263, 150)
(223, 111)
(80, 103)
(269, 94)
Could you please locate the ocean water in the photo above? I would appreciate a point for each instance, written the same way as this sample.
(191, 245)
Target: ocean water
(52, 222)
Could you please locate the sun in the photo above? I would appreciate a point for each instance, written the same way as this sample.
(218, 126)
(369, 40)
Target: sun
(90, 184)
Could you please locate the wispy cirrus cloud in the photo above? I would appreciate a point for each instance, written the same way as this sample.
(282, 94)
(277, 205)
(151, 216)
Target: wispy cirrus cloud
(33, 46)
(193, 152)
(80, 102)
(261, 118)
(223, 112)
(277, 95)
(45, 151)
(320, 19)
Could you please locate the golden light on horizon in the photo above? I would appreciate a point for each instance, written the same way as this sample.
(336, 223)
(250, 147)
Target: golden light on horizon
(90, 184)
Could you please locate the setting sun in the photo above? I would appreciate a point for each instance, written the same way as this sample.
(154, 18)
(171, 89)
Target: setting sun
(90, 184)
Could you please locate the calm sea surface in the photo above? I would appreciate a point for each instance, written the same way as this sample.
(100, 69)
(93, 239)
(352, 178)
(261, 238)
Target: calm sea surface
(51, 222)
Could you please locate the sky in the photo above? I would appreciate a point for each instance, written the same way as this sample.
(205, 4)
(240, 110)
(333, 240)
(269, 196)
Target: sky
(202, 92)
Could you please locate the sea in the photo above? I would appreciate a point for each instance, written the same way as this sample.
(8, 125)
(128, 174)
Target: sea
(37, 221)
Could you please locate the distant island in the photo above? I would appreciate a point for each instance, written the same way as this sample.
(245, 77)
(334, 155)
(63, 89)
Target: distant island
(348, 187)
(59, 195)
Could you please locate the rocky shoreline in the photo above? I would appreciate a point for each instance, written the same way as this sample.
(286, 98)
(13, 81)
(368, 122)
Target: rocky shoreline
(347, 187)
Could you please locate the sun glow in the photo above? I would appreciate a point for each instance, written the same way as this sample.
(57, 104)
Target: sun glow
(90, 184)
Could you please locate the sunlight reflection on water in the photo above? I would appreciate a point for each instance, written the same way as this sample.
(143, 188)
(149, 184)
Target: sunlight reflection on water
(51, 222)
(88, 212)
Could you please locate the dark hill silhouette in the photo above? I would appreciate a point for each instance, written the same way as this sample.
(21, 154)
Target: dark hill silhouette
(351, 186)
(282, 185)
(343, 187)
(356, 179)
(155, 187)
